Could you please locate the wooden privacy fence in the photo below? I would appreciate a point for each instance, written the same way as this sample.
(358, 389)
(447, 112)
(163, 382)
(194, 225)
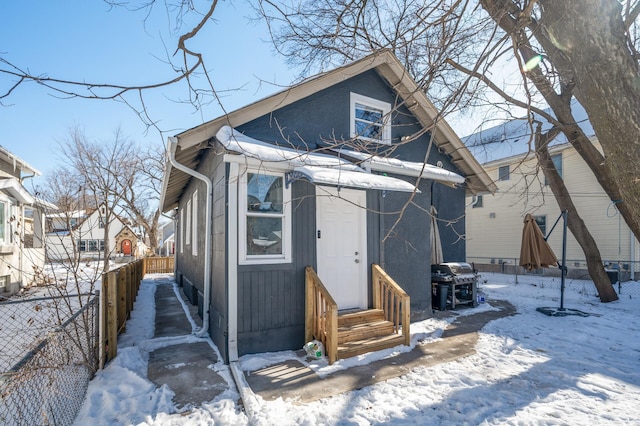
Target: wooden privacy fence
(119, 290)
(158, 265)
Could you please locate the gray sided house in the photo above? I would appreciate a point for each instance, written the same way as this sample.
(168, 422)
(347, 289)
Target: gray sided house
(336, 173)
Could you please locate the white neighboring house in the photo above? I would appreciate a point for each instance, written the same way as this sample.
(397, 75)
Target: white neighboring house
(22, 253)
(167, 243)
(495, 222)
(87, 230)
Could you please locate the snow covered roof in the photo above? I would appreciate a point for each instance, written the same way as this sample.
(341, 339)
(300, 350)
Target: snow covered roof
(514, 137)
(406, 168)
(352, 179)
(17, 161)
(237, 142)
(319, 169)
(14, 188)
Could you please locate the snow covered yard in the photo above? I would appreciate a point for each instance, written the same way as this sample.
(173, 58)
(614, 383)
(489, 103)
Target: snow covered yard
(528, 369)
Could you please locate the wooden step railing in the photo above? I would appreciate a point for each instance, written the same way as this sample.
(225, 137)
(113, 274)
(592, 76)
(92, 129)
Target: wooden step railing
(321, 315)
(393, 300)
(321, 311)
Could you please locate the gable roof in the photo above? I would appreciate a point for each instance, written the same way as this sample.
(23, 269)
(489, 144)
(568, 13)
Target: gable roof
(513, 138)
(193, 141)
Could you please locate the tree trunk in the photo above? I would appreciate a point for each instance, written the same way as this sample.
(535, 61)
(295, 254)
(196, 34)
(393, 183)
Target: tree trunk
(574, 222)
(586, 42)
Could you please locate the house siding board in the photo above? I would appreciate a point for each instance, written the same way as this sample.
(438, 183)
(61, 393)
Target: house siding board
(319, 118)
(218, 311)
(271, 297)
(499, 238)
(406, 249)
(450, 204)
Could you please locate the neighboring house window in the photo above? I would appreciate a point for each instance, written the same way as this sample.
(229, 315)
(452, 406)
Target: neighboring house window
(101, 222)
(187, 230)
(542, 224)
(90, 245)
(4, 281)
(503, 173)
(181, 235)
(194, 238)
(557, 162)
(73, 222)
(265, 218)
(478, 202)
(3, 222)
(370, 119)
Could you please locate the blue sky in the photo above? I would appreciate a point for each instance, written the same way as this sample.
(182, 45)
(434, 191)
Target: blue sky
(85, 40)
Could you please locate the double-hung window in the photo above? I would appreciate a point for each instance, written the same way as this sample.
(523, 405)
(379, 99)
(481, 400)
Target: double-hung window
(194, 225)
(181, 229)
(370, 119)
(3, 222)
(504, 173)
(187, 230)
(557, 162)
(542, 224)
(265, 218)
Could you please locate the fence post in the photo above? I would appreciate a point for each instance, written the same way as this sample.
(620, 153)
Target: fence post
(122, 301)
(102, 322)
(130, 282)
(112, 315)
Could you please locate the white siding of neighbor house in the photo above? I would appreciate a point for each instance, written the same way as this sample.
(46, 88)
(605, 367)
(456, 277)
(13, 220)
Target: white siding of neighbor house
(500, 237)
(60, 246)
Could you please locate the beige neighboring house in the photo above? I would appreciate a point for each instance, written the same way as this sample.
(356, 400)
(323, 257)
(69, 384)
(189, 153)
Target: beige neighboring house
(495, 222)
(22, 254)
(87, 230)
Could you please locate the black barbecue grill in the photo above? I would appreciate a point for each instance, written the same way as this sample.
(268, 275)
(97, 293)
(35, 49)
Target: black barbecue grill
(453, 283)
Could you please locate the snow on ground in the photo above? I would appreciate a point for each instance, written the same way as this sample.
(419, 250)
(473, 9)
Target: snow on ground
(528, 369)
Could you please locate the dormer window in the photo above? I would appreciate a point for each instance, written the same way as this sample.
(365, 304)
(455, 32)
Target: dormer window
(370, 119)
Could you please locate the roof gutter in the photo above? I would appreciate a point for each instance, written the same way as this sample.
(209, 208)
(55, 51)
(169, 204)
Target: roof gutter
(172, 144)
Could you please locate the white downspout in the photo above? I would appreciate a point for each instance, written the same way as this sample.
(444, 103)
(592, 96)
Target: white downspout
(172, 143)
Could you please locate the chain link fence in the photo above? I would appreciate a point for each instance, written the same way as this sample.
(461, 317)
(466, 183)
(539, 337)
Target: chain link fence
(624, 275)
(48, 355)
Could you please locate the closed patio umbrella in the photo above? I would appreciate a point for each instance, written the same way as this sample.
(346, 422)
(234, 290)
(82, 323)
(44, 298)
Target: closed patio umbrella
(434, 236)
(535, 251)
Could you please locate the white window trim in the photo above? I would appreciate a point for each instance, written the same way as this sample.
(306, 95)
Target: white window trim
(181, 231)
(243, 257)
(187, 230)
(194, 228)
(375, 103)
(4, 224)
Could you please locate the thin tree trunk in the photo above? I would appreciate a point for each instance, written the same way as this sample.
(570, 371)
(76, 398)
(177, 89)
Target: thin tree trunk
(574, 221)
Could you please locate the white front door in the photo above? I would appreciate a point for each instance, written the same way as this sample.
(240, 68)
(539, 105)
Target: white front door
(341, 218)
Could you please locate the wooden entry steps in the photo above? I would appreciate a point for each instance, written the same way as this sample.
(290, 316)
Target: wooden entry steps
(354, 333)
(365, 331)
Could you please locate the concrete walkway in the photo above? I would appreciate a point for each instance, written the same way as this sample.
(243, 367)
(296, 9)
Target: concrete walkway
(291, 379)
(186, 368)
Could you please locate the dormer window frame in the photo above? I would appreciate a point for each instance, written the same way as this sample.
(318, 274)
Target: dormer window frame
(358, 101)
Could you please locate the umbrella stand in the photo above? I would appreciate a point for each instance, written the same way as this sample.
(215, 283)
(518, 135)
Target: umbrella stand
(561, 312)
(563, 266)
